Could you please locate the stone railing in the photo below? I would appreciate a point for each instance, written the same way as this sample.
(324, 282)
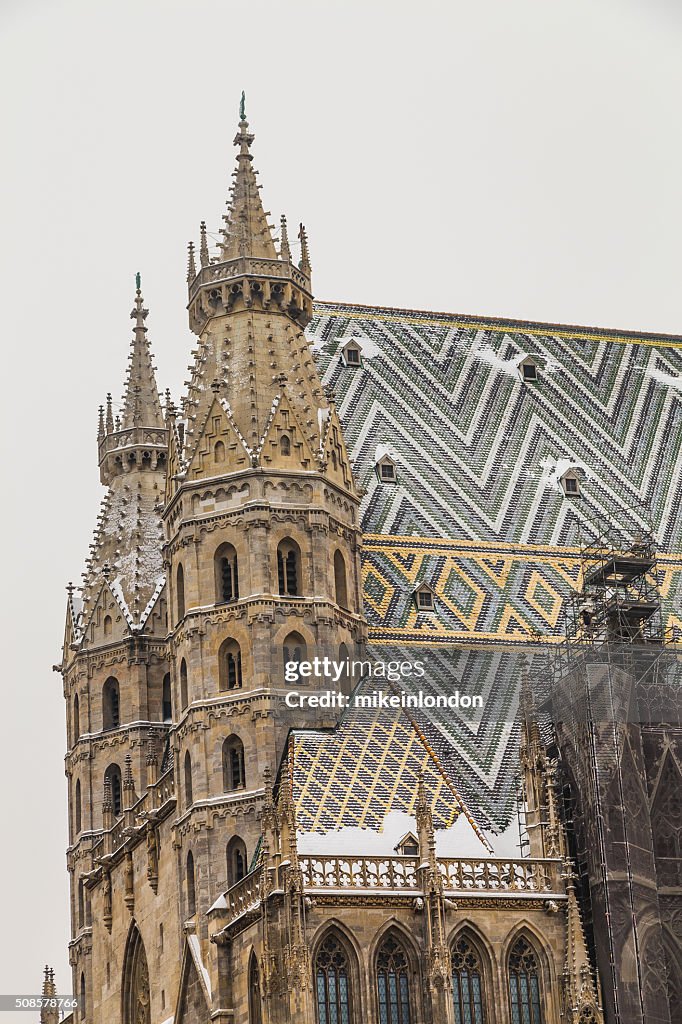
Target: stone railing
(501, 875)
(402, 873)
(244, 895)
(359, 872)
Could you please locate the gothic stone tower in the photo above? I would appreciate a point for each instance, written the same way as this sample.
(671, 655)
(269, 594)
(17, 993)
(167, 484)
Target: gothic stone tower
(228, 541)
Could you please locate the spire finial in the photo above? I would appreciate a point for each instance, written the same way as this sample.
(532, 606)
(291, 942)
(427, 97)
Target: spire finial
(242, 107)
(191, 265)
(203, 248)
(246, 231)
(100, 423)
(141, 406)
(285, 251)
(110, 415)
(304, 264)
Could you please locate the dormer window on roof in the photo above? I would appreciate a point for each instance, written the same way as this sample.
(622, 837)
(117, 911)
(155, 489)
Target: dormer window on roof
(352, 354)
(424, 597)
(570, 483)
(408, 846)
(528, 368)
(386, 470)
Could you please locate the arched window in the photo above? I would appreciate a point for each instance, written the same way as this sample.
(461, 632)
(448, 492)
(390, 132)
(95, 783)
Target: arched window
(166, 703)
(184, 697)
(340, 587)
(77, 814)
(332, 982)
(393, 983)
(81, 1002)
(289, 568)
(667, 819)
(76, 718)
(294, 652)
(346, 678)
(226, 574)
(524, 984)
(111, 706)
(285, 445)
(113, 776)
(81, 903)
(136, 1001)
(230, 665)
(233, 764)
(219, 452)
(180, 587)
(236, 860)
(191, 886)
(255, 1004)
(188, 780)
(108, 625)
(467, 983)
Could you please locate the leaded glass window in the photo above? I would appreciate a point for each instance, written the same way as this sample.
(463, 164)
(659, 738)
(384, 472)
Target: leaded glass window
(393, 985)
(332, 983)
(467, 984)
(524, 984)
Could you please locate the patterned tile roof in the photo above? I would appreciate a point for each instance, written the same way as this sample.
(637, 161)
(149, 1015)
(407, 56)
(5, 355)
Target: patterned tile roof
(478, 512)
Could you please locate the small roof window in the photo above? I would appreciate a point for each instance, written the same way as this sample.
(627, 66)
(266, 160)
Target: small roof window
(386, 470)
(570, 483)
(408, 846)
(528, 368)
(424, 598)
(352, 354)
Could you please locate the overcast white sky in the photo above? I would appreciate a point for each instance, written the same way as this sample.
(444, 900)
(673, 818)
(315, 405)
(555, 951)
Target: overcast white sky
(520, 159)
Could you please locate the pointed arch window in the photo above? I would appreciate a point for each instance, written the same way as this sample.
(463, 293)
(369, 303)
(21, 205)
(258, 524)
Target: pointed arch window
(230, 665)
(667, 821)
(180, 591)
(226, 574)
(189, 799)
(78, 809)
(219, 452)
(255, 1002)
(340, 585)
(76, 718)
(136, 986)
(81, 903)
(289, 568)
(236, 860)
(166, 703)
(82, 1001)
(524, 984)
(111, 704)
(294, 651)
(191, 886)
(184, 695)
(285, 445)
(113, 776)
(332, 983)
(393, 983)
(467, 983)
(108, 625)
(233, 764)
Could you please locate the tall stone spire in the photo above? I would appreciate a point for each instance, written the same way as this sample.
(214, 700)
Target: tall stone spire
(247, 232)
(141, 405)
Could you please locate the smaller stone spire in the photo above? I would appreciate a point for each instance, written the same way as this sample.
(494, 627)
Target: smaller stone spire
(203, 247)
(128, 785)
(110, 414)
(304, 262)
(579, 989)
(191, 264)
(49, 1014)
(285, 251)
(141, 406)
(100, 424)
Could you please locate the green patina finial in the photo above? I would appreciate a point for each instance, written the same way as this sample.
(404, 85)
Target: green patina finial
(242, 107)
(138, 280)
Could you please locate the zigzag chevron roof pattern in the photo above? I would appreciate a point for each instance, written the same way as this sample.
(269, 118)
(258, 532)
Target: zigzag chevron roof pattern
(479, 513)
(477, 449)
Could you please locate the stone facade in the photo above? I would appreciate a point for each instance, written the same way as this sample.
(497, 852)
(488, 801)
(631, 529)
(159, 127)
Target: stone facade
(229, 541)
